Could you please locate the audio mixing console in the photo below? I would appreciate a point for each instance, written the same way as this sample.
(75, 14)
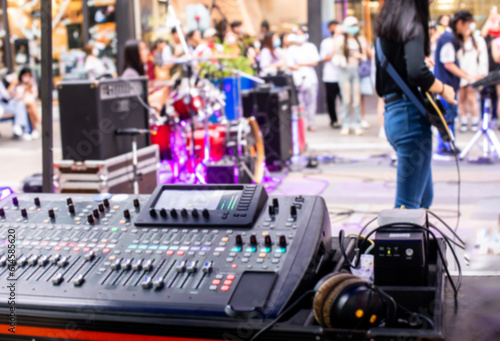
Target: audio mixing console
(215, 251)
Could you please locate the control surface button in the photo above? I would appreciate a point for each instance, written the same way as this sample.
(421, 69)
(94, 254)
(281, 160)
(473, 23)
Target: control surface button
(152, 213)
(409, 252)
(205, 213)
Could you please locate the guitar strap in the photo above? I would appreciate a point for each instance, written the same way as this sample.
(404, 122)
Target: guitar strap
(387, 66)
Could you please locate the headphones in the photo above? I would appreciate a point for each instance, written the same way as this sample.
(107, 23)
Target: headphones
(343, 300)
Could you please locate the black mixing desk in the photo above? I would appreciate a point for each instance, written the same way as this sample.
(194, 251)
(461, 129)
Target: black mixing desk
(215, 252)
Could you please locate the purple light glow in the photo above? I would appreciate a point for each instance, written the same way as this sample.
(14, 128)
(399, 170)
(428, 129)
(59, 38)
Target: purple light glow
(5, 192)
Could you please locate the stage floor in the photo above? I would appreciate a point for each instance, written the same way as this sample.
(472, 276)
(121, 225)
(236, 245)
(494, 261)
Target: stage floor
(360, 176)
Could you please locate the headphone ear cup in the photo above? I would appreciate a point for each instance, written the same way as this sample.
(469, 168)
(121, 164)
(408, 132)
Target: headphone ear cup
(326, 285)
(332, 297)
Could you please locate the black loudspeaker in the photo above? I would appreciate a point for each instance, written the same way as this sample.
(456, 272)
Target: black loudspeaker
(284, 81)
(92, 111)
(272, 111)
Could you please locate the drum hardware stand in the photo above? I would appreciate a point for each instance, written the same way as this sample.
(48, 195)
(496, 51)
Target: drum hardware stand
(491, 144)
(133, 132)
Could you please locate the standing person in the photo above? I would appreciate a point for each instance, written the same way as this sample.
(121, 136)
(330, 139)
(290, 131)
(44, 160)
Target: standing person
(94, 67)
(491, 34)
(209, 48)
(402, 27)
(135, 58)
(350, 49)
(193, 40)
(27, 92)
(9, 105)
(302, 59)
(444, 21)
(447, 69)
(271, 58)
(473, 57)
(331, 72)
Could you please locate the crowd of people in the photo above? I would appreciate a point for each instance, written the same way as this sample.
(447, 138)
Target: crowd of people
(460, 54)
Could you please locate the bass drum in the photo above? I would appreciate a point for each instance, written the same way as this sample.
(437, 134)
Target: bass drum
(217, 139)
(244, 143)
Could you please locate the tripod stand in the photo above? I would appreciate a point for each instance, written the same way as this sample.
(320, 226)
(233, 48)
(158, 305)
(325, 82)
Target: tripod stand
(491, 145)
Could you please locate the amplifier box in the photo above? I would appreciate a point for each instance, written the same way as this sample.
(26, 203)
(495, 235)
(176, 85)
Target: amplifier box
(272, 111)
(114, 175)
(400, 257)
(92, 111)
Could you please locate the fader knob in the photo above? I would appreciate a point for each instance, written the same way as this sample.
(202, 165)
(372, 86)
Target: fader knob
(78, 280)
(71, 209)
(239, 240)
(152, 213)
(52, 214)
(90, 219)
(24, 213)
(96, 214)
(101, 208)
(158, 283)
(293, 211)
(69, 201)
(136, 203)
(15, 201)
(126, 214)
(253, 239)
(272, 211)
(205, 213)
(57, 279)
(106, 202)
(37, 201)
(276, 203)
(2, 212)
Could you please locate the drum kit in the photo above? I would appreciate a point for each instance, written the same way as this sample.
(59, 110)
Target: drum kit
(193, 132)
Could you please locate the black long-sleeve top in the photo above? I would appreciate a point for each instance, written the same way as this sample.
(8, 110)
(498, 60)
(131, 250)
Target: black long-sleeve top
(409, 61)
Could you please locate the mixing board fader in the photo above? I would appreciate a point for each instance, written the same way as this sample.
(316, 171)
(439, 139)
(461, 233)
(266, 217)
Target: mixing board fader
(185, 250)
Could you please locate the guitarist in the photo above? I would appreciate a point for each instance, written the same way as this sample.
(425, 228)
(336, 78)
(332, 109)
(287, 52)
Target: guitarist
(403, 28)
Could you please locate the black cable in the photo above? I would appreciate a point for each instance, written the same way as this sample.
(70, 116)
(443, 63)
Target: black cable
(344, 253)
(462, 246)
(280, 316)
(459, 183)
(456, 286)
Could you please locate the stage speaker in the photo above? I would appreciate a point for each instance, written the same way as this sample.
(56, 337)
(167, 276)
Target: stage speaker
(91, 112)
(272, 111)
(285, 81)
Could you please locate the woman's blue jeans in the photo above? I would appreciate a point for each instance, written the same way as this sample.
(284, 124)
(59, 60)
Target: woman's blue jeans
(410, 135)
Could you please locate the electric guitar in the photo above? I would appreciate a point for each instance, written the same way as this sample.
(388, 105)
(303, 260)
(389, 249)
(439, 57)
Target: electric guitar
(435, 114)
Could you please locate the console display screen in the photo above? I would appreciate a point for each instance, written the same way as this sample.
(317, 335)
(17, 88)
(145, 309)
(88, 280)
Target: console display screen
(189, 199)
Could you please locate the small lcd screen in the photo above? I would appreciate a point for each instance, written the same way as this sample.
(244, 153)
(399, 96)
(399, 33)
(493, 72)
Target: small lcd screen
(211, 200)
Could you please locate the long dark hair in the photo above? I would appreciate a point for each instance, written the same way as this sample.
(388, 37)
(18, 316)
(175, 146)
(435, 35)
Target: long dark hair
(132, 57)
(346, 47)
(464, 16)
(268, 42)
(401, 21)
